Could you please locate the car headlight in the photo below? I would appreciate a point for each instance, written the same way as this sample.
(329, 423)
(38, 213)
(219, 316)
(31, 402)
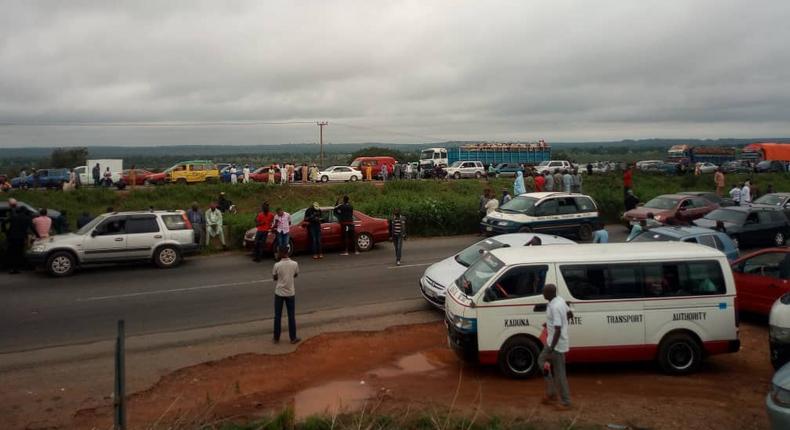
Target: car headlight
(780, 396)
(464, 324)
(780, 334)
(503, 223)
(659, 217)
(485, 219)
(38, 248)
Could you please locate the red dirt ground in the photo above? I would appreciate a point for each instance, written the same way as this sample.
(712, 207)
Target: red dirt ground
(411, 367)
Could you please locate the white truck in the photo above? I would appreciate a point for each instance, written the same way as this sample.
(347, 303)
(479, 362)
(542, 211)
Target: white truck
(85, 173)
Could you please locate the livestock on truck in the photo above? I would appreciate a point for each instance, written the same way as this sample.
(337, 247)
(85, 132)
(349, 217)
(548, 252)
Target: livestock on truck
(487, 153)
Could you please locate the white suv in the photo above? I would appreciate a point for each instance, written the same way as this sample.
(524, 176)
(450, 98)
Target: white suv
(466, 169)
(551, 166)
(162, 237)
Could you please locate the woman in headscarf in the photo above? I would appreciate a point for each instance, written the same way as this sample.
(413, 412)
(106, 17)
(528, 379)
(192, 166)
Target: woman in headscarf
(518, 184)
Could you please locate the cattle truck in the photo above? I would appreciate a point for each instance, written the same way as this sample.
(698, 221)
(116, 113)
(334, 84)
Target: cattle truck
(488, 153)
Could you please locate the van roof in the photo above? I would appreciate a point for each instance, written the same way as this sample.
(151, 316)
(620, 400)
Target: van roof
(592, 253)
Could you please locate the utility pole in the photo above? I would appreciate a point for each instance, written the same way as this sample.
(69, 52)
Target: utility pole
(321, 125)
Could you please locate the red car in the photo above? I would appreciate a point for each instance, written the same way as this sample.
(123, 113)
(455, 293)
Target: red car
(261, 174)
(672, 209)
(140, 176)
(760, 278)
(156, 178)
(368, 230)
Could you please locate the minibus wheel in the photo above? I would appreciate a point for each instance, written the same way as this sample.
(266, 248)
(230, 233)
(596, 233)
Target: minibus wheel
(679, 354)
(585, 232)
(518, 358)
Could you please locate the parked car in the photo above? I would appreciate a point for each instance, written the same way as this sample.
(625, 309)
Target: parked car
(779, 331)
(710, 196)
(672, 209)
(777, 402)
(56, 216)
(702, 236)
(738, 166)
(157, 178)
(774, 200)
(770, 166)
(140, 176)
(761, 277)
(162, 237)
(648, 165)
(261, 174)
(339, 173)
(562, 214)
(750, 226)
(360, 163)
(193, 171)
(368, 230)
(43, 178)
(466, 169)
(707, 167)
(439, 276)
(552, 166)
(507, 169)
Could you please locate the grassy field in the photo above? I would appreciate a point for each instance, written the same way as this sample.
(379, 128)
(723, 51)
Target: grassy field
(434, 208)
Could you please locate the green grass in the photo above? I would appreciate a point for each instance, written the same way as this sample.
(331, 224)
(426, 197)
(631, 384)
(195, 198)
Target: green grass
(434, 208)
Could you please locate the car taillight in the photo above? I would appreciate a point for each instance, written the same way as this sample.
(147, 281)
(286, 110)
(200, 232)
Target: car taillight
(186, 221)
(737, 312)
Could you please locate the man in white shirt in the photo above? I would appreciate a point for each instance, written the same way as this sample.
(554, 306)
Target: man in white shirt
(284, 272)
(746, 194)
(735, 194)
(552, 358)
(246, 173)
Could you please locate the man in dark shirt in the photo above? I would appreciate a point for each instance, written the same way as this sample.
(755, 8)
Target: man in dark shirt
(312, 217)
(223, 204)
(345, 215)
(631, 201)
(397, 228)
(16, 228)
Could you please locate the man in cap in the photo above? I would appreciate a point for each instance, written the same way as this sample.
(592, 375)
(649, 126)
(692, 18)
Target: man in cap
(16, 227)
(214, 225)
(312, 216)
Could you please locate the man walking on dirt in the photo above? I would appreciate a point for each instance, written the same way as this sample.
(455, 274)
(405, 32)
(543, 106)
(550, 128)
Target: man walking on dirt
(345, 215)
(552, 358)
(284, 272)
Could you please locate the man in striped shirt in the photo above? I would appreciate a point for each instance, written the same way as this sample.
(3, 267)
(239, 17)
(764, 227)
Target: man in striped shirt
(397, 226)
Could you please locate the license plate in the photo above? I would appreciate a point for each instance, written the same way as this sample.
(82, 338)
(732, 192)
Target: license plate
(489, 228)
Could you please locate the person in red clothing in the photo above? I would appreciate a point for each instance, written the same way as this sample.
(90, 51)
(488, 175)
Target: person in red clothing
(628, 179)
(263, 224)
(539, 182)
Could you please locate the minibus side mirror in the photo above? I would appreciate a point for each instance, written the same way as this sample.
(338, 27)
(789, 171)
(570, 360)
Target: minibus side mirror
(489, 295)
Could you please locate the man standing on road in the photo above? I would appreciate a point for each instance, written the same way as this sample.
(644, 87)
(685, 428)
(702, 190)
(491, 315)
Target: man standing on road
(284, 272)
(214, 225)
(548, 182)
(735, 193)
(96, 175)
(558, 184)
(16, 227)
(567, 181)
(746, 194)
(234, 179)
(263, 224)
(518, 185)
(628, 179)
(345, 215)
(282, 227)
(552, 358)
(246, 174)
(540, 183)
(198, 221)
(397, 227)
(312, 216)
(631, 200)
(577, 181)
(384, 173)
(718, 179)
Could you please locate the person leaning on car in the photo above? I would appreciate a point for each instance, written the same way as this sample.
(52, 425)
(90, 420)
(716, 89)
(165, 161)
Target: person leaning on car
(16, 228)
(312, 217)
(345, 215)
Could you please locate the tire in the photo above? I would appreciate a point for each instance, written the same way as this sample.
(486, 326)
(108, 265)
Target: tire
(478, 175)
(518, 358)
(780, 239)
(147, 182)
(324, 178)
(276, 249)
(167, 257)
(181, 181)
(61, 264)
(353, 178)
(364, 242)
(679, 354)
(585, 232)
(457, 175)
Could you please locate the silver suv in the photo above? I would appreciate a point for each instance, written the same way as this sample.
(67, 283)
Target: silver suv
(466, 169)
(163, 237)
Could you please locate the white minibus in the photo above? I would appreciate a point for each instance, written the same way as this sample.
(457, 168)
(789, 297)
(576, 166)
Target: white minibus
(672, 302)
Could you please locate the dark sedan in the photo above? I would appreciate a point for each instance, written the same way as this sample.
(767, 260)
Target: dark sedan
(774, 200)
(737, 167)
(750, 226)
(768, 166)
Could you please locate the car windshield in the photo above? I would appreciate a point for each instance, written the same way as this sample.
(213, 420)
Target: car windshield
(297, 217)
(90, 226)
(662, 203)
(726, 215)
(456, 164)
(355, 163)
(470, 255)
(651, 236)
(478, 274)
(520, 204)
(426, 155)
(770, 199)
(543, 163)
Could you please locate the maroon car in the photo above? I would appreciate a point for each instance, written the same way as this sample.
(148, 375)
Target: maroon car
(368, 231)
(672, 209)
(140, 176)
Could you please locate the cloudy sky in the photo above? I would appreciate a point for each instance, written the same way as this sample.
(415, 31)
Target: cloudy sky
(232, 72)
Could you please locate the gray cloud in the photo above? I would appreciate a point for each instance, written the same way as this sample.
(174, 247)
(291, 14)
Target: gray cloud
(560, 70)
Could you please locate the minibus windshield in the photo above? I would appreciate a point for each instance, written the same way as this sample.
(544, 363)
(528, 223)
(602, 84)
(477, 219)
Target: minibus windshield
(478, 274)
(520, 204)
(470, 255)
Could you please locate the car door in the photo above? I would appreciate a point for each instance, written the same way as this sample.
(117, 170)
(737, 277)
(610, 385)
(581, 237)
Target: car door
(752, 230)
(343, 173)
(330, 229)
(142, 233)
(761, 279)
(107, 241)
(548, 220)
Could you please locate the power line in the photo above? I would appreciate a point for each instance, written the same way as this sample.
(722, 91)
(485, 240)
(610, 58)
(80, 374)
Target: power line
(378, 130)
(153, 124)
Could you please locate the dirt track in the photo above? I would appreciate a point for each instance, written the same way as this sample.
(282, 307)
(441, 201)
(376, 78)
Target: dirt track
(411, 367)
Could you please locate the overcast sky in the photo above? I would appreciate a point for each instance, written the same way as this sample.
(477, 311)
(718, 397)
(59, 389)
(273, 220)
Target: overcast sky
(192, 72)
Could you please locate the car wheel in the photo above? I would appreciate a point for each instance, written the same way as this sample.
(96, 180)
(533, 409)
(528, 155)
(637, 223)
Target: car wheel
(353, 178)
(167, 257)
(182, 181)
(780, 239)
(147, 182)
(518, 358)
(585, 232)
(324, 178)
(364, 242)
(457, 175)
(679, 354)
(478, 175)
(276, 249)
(61, 264)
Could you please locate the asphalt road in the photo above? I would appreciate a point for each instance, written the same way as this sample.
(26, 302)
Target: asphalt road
(37, 311)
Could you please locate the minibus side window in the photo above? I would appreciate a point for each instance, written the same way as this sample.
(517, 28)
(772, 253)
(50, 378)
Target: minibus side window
(603, 282)
(518, 282)
(683, 279)
(566, 206)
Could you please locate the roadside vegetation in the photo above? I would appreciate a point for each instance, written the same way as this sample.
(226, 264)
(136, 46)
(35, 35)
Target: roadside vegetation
(434, 208)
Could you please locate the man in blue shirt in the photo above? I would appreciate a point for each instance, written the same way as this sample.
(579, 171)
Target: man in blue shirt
(600, 235)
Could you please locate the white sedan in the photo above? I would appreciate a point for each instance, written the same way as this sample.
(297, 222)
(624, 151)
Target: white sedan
(707, 167)
(439, 276)
(339, 173)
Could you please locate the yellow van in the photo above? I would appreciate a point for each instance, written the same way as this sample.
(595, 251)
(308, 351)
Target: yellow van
(190, 172)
